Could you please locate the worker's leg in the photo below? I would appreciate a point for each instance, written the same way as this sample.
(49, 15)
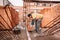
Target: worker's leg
(39, 29)
(36, 25)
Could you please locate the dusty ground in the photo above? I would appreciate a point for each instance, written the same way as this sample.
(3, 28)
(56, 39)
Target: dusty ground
(8, 35)
(48, 37)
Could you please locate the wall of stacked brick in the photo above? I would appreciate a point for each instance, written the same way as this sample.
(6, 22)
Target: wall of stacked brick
(49, 14)
(8, 18)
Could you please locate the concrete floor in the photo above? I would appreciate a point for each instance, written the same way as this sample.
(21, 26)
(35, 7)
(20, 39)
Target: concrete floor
(8, 35)
(47, 37)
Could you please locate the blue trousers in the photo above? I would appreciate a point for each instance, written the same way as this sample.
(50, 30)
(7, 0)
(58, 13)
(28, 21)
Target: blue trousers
(38, 25)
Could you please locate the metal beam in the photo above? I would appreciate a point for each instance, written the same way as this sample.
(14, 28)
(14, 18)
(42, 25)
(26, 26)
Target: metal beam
(40, 1)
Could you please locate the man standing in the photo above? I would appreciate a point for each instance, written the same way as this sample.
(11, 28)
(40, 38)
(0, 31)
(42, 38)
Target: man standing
(36, 18)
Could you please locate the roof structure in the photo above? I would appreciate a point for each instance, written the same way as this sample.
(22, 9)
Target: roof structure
(43, 1)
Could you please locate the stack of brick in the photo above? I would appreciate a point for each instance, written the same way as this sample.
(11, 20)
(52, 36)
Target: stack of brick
(49, 14)
(8, 18)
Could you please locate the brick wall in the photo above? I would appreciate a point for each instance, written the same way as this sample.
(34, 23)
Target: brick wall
(50, 14)
(8, 17)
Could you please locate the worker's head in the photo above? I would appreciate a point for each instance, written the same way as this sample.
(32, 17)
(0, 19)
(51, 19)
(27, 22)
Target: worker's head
(29, 15)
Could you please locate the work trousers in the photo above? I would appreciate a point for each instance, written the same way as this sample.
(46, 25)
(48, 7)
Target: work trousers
(38, 25)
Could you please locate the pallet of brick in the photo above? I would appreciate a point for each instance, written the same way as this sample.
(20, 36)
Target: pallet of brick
(49, 15)
(7, 18)
(15, 15)
(3, 18)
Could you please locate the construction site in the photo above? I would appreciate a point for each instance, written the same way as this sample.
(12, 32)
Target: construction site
(29, 19)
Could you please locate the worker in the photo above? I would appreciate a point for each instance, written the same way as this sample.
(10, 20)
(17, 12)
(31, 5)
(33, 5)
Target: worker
(36, 19)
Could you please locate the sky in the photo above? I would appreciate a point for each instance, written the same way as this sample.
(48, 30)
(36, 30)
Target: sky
(17, 2)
